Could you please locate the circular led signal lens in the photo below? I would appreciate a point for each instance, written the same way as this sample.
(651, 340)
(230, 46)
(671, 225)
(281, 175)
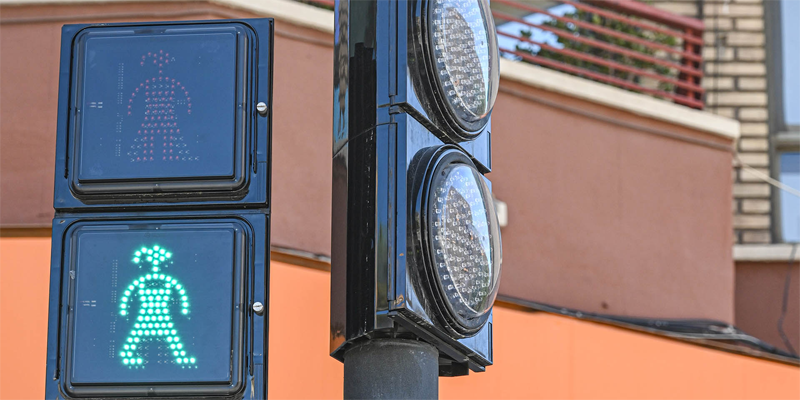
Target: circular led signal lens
(465, 59)
(465, 242)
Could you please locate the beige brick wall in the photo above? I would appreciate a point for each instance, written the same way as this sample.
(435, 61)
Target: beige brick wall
(736, 86)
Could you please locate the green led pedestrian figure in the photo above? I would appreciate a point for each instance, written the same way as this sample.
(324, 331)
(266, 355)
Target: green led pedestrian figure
(148, 301)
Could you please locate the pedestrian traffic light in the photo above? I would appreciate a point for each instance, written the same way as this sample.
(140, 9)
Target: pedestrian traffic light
(160, 268)
(416, 250)
(157, 304)
(155, 114)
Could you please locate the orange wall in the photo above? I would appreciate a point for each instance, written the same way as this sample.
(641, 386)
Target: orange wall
(537, 355)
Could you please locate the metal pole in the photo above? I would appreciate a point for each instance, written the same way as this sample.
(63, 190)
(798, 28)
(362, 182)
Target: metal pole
(391, 369)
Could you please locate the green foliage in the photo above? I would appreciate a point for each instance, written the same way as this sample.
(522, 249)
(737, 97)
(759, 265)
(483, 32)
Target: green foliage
(570, 30)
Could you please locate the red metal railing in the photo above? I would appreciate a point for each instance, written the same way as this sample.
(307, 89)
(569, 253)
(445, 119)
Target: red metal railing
(624, 43)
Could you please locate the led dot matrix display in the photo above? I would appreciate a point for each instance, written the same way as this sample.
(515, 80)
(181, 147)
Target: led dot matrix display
(465, 239)
(149, 110)
(464, 54)
(161, 110)
(162, 295)
(460, 240)
(460, 227)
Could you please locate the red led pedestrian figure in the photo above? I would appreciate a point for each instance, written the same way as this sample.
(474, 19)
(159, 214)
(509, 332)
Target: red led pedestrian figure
(161, 102)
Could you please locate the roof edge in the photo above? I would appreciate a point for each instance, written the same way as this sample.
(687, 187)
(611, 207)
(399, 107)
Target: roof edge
(777, 252)
(285, 10)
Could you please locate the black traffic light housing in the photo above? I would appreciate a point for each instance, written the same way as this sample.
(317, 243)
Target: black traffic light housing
(220, 266)
(114, 144)
(390, 129)
(160, 244)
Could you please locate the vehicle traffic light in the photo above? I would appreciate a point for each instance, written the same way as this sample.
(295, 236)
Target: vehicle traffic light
(416, 249)
(160, 253)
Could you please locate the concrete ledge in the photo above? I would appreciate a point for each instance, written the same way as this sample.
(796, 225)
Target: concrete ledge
(323, 20)
(765, 252)
(286, 10)
(559, 82)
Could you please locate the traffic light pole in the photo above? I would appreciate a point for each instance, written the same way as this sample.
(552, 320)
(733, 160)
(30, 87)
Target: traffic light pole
(391, 369)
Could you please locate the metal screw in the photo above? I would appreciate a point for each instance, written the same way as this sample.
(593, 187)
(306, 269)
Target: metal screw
(261, 107)
(258, 308)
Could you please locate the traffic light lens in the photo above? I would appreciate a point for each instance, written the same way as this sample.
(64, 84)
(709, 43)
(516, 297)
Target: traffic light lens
(134, 344)
(158, 108)
(466, 250)
(465, 56)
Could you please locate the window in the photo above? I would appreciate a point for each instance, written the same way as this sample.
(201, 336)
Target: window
(790, 204)
(790, 51)
(784, 103)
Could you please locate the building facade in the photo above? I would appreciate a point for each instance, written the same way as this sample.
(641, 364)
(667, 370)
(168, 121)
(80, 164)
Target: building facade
(751, 74)
(743, 51)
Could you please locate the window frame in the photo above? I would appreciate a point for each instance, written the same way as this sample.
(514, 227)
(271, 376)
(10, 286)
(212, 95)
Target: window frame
(782, 136)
